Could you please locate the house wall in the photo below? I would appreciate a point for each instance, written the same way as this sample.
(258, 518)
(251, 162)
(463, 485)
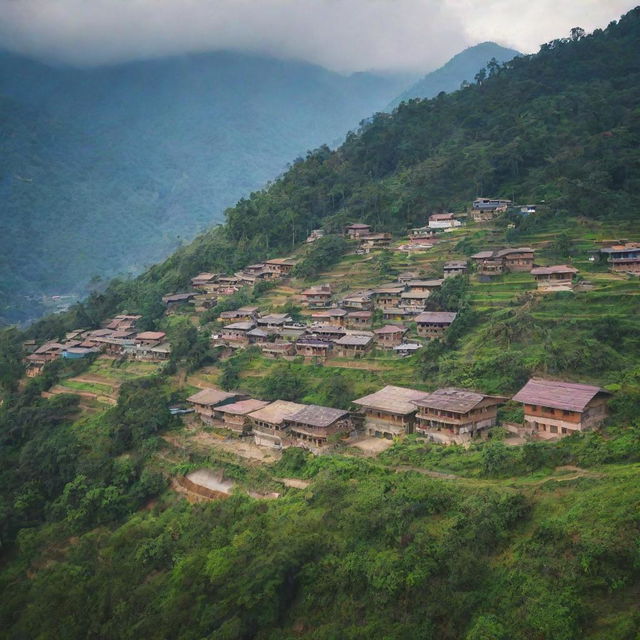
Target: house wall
(383, 424)
(430, 330)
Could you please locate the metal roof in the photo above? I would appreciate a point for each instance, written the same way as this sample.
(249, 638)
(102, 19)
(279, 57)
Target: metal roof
(353, 341)
(453, 399)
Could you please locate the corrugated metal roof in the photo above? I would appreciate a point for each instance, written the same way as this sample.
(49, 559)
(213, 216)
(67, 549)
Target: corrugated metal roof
(570, 396)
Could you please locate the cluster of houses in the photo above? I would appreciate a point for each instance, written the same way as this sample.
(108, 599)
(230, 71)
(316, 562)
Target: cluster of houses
(118, 337)
(552, 409)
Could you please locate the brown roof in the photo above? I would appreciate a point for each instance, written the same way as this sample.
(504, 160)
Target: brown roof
(358, 225)
(425, 283)
(359, 314)
(482, 255)
(211, 397)
(441, 317)
(49, 346)
(150, 335)
(392, 399)
(441, 216)
(285, 261)
(240, 326)
(390, 328)
(243, 407)
(455, 264)
(506, 252)
(353, 341)
(317, 416)
(329, 313)
(452, 399)
(570, 396)
(558, 268)
(277, 412)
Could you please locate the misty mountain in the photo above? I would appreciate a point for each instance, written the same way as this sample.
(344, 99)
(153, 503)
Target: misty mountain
(105, 170)
(461, 67)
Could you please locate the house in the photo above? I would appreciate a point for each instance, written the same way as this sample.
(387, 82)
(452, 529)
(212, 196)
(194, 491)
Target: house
(555, 278)
(316, 297)
(77, 353)
(555, 409)
(313, 425)
(359, 319)
(387, 296)
(623, 257)
(313, 348)
(389, 336)
(448, 414)
(424, 285)
(279, 267)
(433, 324)
(175, 299)
(237, 332)
(327, 331)
(406, 349)
(292, 330)
(243, 314)
(330, 316)
(153, 353)
(444, 221)
(258, 336)
(316, 234)
(454, 268)
(397, 314)
(122, 322)
(274, 320)
(278, 349)
(414, 299)
(352, 346)
(390, 412)
(484, 209)
(490, 263)
(235, 415)
(357, 302)
(206, 403)
(204, 281)
(44, 354)
(357, 229)
(149, 338)
(371, 241)
(406, 276)
(268, 423)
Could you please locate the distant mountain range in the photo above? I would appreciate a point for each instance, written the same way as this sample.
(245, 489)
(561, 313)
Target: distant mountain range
(106, 170)
(461, 67)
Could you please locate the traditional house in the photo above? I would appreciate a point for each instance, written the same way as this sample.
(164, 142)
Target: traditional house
(484, 209)
(407, 276)
(317, 297)
(433, 324)
(490, 263)
(316, 234)
(357, 229)
(149, 338)
(268, 424)
(122, 322)
(623, 257)
(357, 301)
(390, 412)
(206, 403)
(454, 268)
(327, 331)
(44, 354)
(279, 267)
(555, 409)
(406, 349)
(414, 299)
(555, 278)
(274, 320)
(237, 332)
(313, 348)
(313, 425)
(235, 415)
(292, 330)
(397, 314)
(372, 241)
(243, 314)
(359, 319)
(330, 316)
(279, 349)
(176, 299)
(448, 414)
(204, 282)
(389, 336)
(443, 221)
(258, 336)
(352, 346)
(425, 285)
(387, 296)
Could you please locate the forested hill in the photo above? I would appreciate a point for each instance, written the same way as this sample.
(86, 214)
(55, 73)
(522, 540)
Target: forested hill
(109, 169)
(463, 67)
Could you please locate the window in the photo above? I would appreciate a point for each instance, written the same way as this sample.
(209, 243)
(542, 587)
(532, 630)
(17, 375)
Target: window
(553, 428)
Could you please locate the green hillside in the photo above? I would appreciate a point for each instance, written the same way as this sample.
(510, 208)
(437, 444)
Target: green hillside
(497, 540)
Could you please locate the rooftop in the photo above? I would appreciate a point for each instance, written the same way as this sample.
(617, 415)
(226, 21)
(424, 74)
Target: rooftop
(443, 317)
(354, 340)
(317, 416)
(559, 268)
(243, 407)
(392, 399)
(240, 326)
(390, 328)
(150, 335)
(211, 397)
(570, 396)
(277, 412)
(452, 399)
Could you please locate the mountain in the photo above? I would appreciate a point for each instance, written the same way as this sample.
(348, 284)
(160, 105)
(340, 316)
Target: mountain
(462, 67)
(108, 169)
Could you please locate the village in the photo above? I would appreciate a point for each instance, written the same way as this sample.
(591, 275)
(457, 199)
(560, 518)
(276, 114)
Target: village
(333, 322)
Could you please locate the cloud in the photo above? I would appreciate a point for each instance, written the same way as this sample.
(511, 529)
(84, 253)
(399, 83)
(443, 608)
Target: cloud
(342, 35)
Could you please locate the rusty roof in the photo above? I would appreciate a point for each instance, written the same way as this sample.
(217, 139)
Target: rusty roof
(317, 416)
(392, 399)
(276, 412)
(437, 317)
(151, 335)
(570, 396)
(453, 399)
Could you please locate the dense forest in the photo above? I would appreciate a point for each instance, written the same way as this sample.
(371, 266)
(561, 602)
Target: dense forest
(491, 542)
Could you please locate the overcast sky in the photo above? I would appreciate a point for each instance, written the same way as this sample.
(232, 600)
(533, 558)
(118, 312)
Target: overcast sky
(342, 35)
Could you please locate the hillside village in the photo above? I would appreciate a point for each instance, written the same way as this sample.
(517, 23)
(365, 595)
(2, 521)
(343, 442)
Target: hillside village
(360, 318)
